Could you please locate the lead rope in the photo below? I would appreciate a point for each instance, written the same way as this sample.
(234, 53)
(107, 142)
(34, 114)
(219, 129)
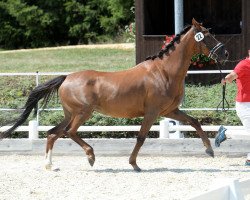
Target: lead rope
(224, 100)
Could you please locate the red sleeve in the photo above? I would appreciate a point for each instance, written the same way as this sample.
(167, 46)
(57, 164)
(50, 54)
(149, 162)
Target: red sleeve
(239, 69)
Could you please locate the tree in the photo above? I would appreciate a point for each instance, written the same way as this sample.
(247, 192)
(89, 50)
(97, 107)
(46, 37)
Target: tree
(37, 23)
(119, 15)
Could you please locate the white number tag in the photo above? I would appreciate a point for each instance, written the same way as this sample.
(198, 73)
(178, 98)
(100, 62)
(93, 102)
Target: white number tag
(199, 37)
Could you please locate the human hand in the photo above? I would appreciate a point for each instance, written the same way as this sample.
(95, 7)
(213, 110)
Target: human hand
(223, 81)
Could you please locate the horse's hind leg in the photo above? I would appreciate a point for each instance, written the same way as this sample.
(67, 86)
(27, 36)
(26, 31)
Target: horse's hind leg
(53, 135)
(72, 133)
(183, 117)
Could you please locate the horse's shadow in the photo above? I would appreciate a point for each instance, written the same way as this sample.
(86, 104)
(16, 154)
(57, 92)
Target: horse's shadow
(173, 170)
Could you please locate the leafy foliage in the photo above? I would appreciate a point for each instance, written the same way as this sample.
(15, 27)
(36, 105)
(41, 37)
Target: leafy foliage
(29, 23)
(201, 60)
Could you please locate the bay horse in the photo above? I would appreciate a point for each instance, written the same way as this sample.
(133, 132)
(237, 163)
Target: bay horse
(151, 89)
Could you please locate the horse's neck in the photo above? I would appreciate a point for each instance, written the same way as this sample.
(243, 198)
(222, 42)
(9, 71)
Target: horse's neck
(178, 62)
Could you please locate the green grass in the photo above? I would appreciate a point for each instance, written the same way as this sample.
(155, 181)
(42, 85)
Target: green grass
(197, 96)
(67, 60)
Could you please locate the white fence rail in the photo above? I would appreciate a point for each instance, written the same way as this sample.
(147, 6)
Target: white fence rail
(168, 128)
(227, 189)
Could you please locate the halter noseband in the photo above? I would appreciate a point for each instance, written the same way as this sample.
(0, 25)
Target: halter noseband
(212, 52)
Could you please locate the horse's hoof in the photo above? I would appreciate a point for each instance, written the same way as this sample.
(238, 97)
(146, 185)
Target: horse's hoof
(210, 151)
(91, 160)
(136, 168)
(48, 167)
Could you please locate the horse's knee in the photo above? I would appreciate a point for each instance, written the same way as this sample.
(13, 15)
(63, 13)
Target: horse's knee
(51, 137)
(141, 140)
(70, 132)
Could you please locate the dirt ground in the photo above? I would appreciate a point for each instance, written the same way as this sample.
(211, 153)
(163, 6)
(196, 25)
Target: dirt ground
(112, 178)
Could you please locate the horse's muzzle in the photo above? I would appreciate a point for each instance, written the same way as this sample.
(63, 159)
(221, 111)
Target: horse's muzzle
(219, 53)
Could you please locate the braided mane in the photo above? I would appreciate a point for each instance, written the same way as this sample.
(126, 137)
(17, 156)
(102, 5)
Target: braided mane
(171, 44)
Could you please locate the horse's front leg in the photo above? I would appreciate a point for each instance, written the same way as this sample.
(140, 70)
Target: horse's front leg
(145, 127)
(184, 118)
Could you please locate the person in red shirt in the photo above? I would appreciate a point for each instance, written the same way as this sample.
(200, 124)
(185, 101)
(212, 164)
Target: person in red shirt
(242, 75)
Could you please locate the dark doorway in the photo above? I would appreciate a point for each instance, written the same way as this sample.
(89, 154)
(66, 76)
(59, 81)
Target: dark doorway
(223, 16)
(158, 17)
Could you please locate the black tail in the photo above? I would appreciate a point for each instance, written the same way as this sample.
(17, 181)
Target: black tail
(43, 91)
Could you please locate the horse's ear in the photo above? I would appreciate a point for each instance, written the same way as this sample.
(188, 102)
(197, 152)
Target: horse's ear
(196, 24)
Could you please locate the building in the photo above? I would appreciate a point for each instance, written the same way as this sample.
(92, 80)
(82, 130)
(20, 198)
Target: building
(229, 20)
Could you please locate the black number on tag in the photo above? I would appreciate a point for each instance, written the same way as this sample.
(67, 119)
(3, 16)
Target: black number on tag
(199, 37)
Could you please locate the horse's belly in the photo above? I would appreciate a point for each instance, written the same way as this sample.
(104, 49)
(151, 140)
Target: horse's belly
(121, 111)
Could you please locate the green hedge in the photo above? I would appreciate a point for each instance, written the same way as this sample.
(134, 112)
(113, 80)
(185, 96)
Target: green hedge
(28, 23)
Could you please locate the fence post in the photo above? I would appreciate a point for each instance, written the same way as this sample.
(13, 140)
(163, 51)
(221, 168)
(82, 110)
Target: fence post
(33, 130)
(175, 134)
(164, 128)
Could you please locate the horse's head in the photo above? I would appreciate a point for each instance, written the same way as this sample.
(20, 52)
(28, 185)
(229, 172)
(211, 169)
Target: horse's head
(207, 44)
